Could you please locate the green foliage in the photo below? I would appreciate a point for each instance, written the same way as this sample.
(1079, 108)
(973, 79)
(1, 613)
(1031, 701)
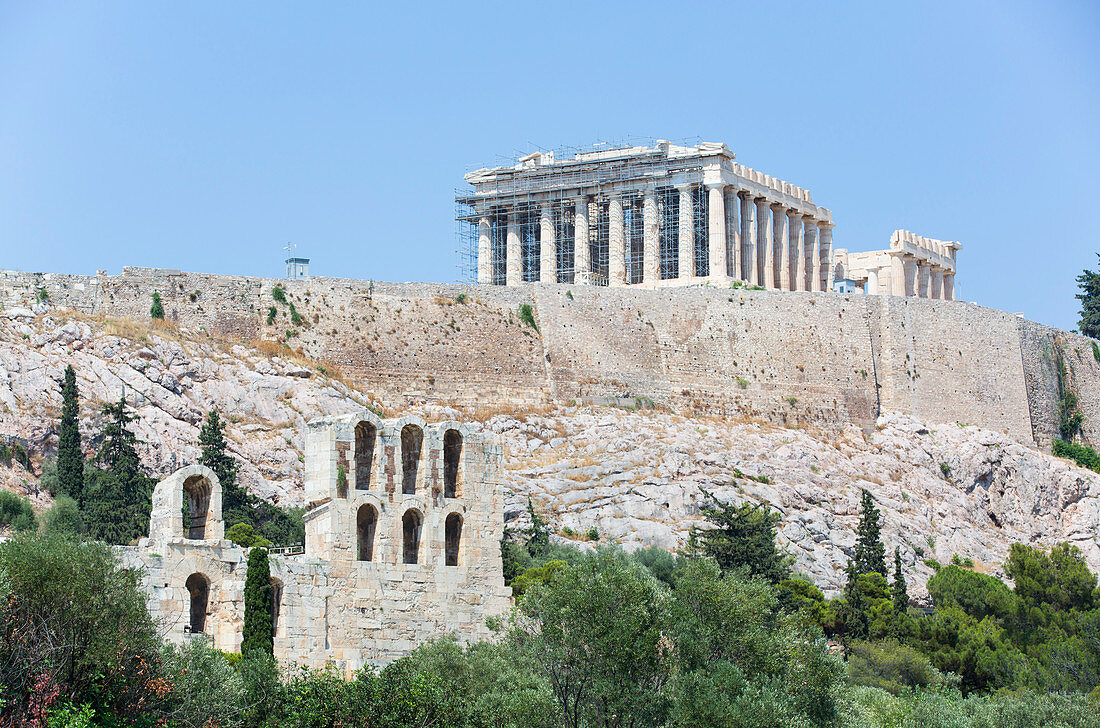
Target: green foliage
(43, 295)
(63, 518)
(1058, 581)
(70, 456)
(279, 294)
(16, 512)
(870, 553)
(117, 497)
(527, 315)
(206, 689)
(979, 595)
(1095, 351)
(660, 563)
(245, 536)
(296, 318)
(891, 666)
(73, 619)
(945, 470)
(536, 575)
(949, 709)
(272, 312)
(14, 451)
(593, 534)
(156, 311)
(213, 445)
(257, 633)
(569, 295)
(898, 589)
(742, 539)
(1083, 455)
(1070, 418)
(461, 298)
(1089, 283)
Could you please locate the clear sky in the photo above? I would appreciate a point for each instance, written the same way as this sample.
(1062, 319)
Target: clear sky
(204, 136)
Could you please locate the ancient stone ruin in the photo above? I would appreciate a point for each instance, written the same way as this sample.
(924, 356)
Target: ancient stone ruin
(403, 528)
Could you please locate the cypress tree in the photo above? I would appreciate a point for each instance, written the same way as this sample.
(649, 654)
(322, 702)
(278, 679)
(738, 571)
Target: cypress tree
(743, 538)
(870, 553)
(854, 612)
(257, 605)
(117, 498)
(901, 594)
(70, 458)
(157, 309)
(214, 456)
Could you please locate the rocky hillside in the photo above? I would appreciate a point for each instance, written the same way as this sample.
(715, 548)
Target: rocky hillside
(634, 476)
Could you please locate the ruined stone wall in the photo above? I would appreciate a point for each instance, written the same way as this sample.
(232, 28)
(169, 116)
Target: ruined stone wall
(809, 358)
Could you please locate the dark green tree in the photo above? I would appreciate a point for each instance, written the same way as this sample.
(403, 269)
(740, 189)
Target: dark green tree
(900, 593)
(257, 634)
(743, 539)
(70, 458)
(854, 610)
(157, 309)
(1089, 283)
(214, 456)
(538, 536)
(117, 497)
(870, 553)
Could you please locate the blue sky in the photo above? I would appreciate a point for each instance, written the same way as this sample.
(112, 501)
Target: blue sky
(203, 136)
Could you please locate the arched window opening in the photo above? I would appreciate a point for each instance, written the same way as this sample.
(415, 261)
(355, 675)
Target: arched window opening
(276, 604)
(412, 440)
(196, 496)
(453, 539)
(452, 456)
(198, 586)
(410, 527)
(364, 454)
(366, 522)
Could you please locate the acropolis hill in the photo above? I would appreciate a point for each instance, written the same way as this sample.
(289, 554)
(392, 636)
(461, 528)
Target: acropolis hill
(791, 358)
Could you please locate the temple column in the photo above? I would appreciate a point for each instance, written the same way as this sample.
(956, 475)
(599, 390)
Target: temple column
(910, 288)
(582, 254)
(897, 275)
(948, 286)
(765, 242)
(813, 243)
(734, 257)
(651, 264)
(783, 239)
(548, 249)
(750, 269)
(484, 250)
(825, 232)
(924, 280)
(616, 260)
(514, 268)
(716, 229)
(798, 252)
(937, 283)
(686, 237)
(872, 281)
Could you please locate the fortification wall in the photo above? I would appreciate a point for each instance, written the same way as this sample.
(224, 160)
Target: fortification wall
(809, 358)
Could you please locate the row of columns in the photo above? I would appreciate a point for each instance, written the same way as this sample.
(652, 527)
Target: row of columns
(910, 276)
(749, 238)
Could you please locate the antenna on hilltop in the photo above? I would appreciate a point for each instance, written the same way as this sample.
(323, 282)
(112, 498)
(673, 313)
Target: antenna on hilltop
(289, 248)
(295, 267)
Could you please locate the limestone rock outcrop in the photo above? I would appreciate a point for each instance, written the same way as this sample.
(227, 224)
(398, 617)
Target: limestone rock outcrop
(634, 475)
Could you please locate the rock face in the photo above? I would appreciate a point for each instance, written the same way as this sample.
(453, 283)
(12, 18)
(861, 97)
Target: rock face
(635, 476)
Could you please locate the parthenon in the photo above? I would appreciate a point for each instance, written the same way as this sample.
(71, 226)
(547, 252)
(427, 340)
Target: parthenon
(650, 217)
(671, 214)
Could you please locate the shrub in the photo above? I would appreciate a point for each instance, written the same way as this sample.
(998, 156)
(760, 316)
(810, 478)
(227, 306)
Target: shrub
(890, 666)
(245, 536)
(1083, 455)
(14, 452)
(279, 294)
(272, 312)
(296, 318)
(206, 689)
(593, 534)
(157, 309)
(527, 315)
(460, 298)
(16, 512)
(945, 470)
(64, 518)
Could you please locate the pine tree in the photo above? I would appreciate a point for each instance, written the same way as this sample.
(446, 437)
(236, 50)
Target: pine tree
(118, 452)
(1089, 283)
(901, 594)
(214, 456)
(743, 538)
(157, 309)
(70, 458)
(870, 553)
(117, 498)
(257, 605)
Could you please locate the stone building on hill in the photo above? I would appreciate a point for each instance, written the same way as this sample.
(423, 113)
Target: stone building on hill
(666, 215)
(403, 533)
(912, 266)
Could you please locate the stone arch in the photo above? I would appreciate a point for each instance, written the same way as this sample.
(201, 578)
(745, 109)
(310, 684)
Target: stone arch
(412, 527)
(276, 604)
(198, 587)
(453, 539)
(196, 488)
(366, 524)
(365, 435)
(412, 444)
(452, 459)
